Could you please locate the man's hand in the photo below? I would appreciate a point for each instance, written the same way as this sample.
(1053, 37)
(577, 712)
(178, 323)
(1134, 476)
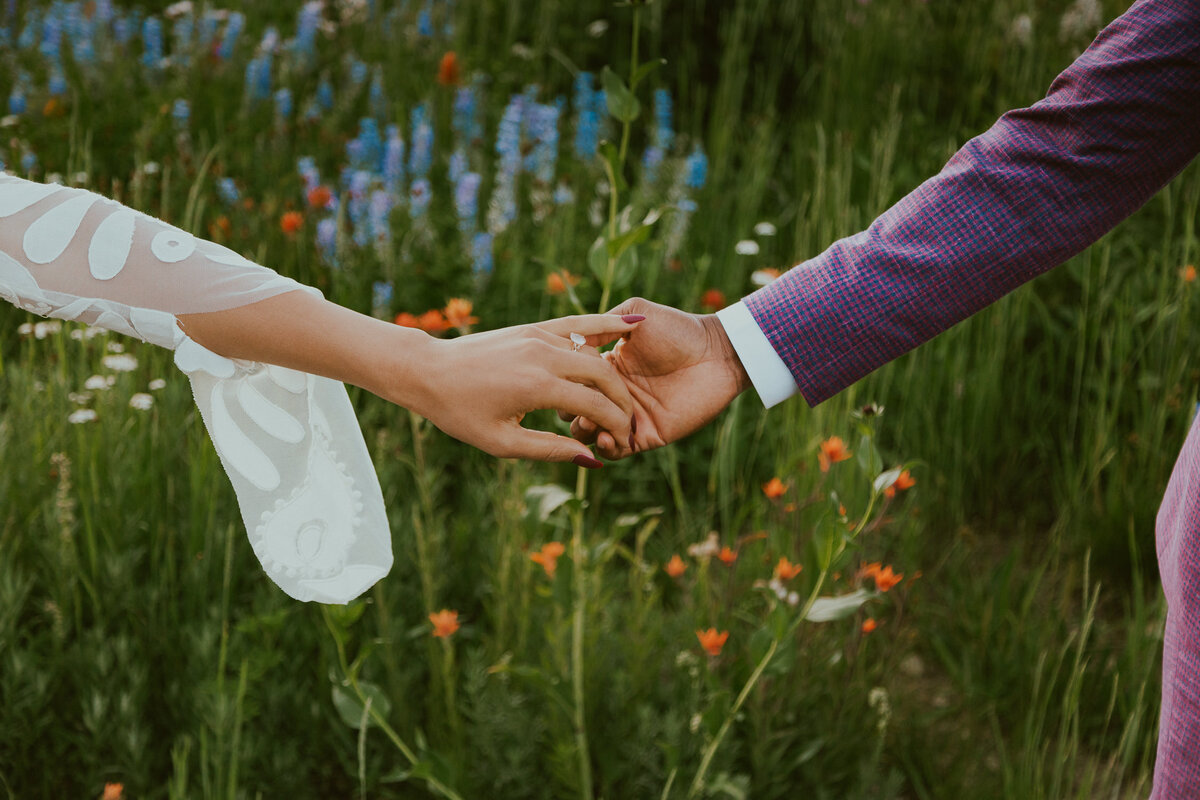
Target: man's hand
(679, 368)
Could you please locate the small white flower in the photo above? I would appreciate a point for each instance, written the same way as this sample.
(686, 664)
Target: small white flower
(55, 177)
(141, 401)
(79, 398)
(764, 229)
(598, 28)
(91, 332)
(178, 9)
(120, 362)
(77, 334)
(761, 277)
(793, 599)
(706, 549)
(43, 329)
(82, 415)
(150, 167)
(79, 178)
(25, 329)
(746, 247)
(96, 383)
(9, 121)
(522, 51)
(116, 347)
(157, 383)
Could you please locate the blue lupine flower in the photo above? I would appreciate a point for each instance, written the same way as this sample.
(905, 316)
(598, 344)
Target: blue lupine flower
(270, 40)
(206, 30)
(466, 115)
(508, 135)
(381, 298)
(696, 169)
(57, 84)
(16, 101)
(233, 30)
(481, 257)
(103, 13)
(358, 71)
(466, 200)
(563, 195)
(306, 166)
(123, 30)
(51, 44)
(425, 20)
(376, 97)
(325, 94)
(652, 159)
(152, 43)
(29, 161)
(307, 24)
(458, 165)
(180, 113)
(379, 208)
(181, 34)
(28, 35)
(543, 129)
(84, 51)
(421, 158)
(327, 239)
(587, 122)
(283, 103)
(258, 78)
(419, 195)
(393, 160)
(372, 143)
(227, 190)
(663, 133)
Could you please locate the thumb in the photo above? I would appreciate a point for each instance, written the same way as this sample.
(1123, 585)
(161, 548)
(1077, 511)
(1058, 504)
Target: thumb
(545, 446)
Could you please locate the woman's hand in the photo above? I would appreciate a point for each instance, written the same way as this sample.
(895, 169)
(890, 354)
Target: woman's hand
(477, 388)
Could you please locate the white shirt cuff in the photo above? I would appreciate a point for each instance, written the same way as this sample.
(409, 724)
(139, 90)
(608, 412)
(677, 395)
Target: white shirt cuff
(770, 376)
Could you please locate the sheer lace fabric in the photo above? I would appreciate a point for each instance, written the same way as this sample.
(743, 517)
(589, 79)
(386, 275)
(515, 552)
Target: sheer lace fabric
(289, 441)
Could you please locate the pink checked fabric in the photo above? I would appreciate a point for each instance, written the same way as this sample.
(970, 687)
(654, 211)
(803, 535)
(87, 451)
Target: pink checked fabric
(1041, 185)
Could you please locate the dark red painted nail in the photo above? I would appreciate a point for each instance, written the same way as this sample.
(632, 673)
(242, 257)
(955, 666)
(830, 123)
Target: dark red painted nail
(632, 446)
(632, 318)
(633, 423)
(586, 461)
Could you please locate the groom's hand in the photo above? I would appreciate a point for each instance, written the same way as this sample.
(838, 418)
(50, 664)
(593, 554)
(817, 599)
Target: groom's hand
(680, 370)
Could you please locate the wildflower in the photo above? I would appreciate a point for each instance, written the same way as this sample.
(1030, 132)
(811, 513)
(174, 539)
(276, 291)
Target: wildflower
(156, 384)
(222, 226)
(885, 579)
(113, 791)
(869, 624)
(726, 555)
(1188, 273)
(706, 549)
(445, 622)
(833, 450)
(905, 481)
(889, 492)
(79, 398)
(82, 415)
(558, 281)
(291, 222)
(120, 362)
(746, 247)
(548, 557)
(696, 169)
(448, 73)
(1021, 30)
(785, 570)
(711, 641)
(433, 321)
(141, 401)
(761, 277)
(764, 229)
(774, 489)
(675, 567)
(96, 383)
(458, 314)
(319, 197)
(713, 299)
(407, 320)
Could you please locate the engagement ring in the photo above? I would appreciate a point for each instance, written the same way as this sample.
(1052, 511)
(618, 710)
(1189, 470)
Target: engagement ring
(578, 340)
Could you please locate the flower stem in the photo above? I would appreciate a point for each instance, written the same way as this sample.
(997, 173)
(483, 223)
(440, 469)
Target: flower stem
(577, 629)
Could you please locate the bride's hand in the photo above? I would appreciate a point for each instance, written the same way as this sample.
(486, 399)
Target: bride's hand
(477, 388)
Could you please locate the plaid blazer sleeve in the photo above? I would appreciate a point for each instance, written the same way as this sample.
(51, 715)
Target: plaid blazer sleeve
(1037, 188)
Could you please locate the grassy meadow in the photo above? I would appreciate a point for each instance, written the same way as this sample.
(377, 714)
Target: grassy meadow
(939, 584)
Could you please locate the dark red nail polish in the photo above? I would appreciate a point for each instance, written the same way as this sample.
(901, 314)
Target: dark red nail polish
(633, 423)
(632, 318)
(632, 446)
(586, 461)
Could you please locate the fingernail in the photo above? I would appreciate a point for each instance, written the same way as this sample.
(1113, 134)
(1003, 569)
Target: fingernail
(633, 423)
(586, 461)
(632, 446)
(632, 318)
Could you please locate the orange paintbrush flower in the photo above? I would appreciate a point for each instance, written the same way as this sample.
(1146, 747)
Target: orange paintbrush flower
(833, 450)
(726, 555)
(445, 622)
(774, 489)
(548, 556)
(433, 321)
(869, 624)
(885, 579)
(407, 320)
(905, 481)
(1188, 273)
(785, 570)
(713, 299)
(319, 197)
(448, 71)
(675, 567)
(558, 281)
(113, 791)
(711, 641)
(291, 222)
(458, 314)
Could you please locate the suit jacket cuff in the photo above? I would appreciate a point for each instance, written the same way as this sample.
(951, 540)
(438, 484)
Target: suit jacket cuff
(768, 373)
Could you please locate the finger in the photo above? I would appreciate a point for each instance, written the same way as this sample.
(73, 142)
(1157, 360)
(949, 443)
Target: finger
(599, 329)
(584, 401)
(606, 446)
(584, 430)
(546, 446)
(597, 373)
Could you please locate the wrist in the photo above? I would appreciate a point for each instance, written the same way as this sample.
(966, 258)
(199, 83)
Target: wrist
(721, 349)
(408, 378)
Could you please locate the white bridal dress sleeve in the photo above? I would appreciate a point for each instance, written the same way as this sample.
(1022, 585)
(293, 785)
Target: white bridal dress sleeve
(289, 441)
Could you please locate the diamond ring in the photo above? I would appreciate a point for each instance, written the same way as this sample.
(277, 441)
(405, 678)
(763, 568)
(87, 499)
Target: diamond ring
(578, 340)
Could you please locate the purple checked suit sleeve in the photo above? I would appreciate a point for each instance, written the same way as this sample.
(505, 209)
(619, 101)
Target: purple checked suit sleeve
(1039, 187)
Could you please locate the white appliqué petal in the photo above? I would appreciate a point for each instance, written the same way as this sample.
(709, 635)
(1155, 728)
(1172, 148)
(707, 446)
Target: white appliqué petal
(192, 357)
(111, 243)
(271, 418)
(21, 195)
(237, 448)
(173, 245)
(49, 235)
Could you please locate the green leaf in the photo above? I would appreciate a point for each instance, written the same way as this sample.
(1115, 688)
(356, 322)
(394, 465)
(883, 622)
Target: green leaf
(609, 152)
(886, 479)
(868, 457)
(644, 70)
(620, 101)
(546, 498)
(351, 709)
(827, 609)
(626, 268)
(598, 259)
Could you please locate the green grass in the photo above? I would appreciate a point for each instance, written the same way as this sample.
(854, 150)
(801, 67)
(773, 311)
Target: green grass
(141, 643)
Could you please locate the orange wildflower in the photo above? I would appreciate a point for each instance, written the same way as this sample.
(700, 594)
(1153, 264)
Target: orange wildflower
(548, 557)
(291, 222)
(113, 791)
(726, 555)
(558, 281)
(432, 321)
(448, 72)
(713, 299)
(833, 450)
(53, 108)
(785, 570)
(1188, 273)
(407, 320)
(675, 567)
(889, 492)
(445, 622)
(774, 489)
(885, 579)
(319, 197)
(711, 641)
(458, 313)
(905, 481)
(869, 624)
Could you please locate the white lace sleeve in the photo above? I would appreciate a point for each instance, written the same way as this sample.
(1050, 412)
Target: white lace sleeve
(289, 441)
